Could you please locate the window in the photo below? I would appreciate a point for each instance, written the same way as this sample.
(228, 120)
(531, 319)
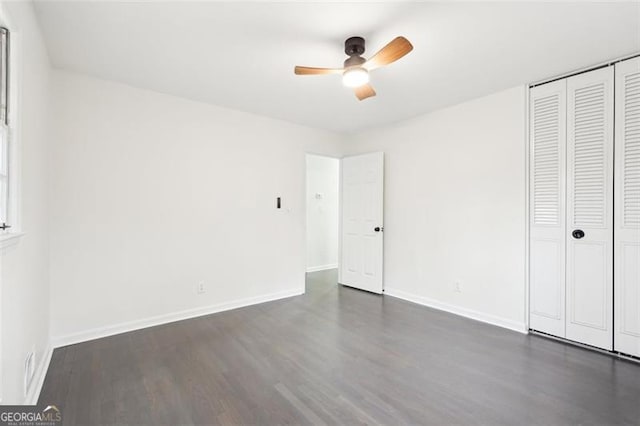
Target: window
(4, 130)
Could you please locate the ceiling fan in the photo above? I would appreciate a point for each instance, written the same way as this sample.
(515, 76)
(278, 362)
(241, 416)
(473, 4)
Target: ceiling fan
(356, 69)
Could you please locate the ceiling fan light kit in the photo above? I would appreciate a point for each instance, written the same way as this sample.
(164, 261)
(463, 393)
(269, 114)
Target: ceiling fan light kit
(355, 73)
(355, 77)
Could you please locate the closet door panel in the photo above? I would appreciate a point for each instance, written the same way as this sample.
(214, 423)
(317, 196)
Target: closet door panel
(589, 295)
(627, 208)
(547, 208)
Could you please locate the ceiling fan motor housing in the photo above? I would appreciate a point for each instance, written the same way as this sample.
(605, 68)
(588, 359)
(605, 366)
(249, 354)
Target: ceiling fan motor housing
(354, 46)
(354, 61)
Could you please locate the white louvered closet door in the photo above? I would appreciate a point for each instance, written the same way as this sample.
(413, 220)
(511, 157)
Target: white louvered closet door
(627, 208)
(589, 291)
(547, 214)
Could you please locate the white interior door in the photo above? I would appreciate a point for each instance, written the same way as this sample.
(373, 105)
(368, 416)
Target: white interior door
(362, 221)
(627, 208)
(589, 295)
(547, 208)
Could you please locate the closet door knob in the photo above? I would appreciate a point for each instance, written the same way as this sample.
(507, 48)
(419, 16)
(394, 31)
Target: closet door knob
(577, 234)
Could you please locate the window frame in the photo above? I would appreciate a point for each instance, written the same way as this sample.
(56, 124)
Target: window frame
(11, 236)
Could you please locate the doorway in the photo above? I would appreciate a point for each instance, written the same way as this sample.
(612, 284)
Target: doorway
(323, 214)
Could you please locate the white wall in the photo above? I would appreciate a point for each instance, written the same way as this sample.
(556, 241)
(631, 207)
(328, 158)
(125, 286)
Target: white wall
(323, 182)
(152, 194)
(455, 207)
(24, 279)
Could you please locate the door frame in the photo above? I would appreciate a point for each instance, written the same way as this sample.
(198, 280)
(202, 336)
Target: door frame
(304, 192)
(527, 206)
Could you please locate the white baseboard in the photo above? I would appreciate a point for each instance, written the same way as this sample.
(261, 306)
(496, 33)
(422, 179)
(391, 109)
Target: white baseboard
(457, 310)
(96, 333)
(38, 378)
(322, 267)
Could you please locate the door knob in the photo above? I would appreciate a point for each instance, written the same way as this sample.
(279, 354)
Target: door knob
(577, 234)
(378, 229)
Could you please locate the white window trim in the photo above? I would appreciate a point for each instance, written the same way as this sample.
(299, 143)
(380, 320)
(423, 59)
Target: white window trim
(12, 236)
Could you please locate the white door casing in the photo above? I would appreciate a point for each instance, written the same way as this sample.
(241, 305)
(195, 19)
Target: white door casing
(627, 208)
(361, 257)
(547, 208)
(589, 291)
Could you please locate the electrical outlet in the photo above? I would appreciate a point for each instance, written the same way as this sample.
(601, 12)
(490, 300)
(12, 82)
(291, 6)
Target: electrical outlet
(200, 289)
(457, 287)
(29, 370)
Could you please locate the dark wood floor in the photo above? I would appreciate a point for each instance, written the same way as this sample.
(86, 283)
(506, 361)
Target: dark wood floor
(338, 356)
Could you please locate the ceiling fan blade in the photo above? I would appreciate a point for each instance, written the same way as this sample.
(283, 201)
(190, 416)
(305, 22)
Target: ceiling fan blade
(317, 71)
(396, 49)
(365, 91)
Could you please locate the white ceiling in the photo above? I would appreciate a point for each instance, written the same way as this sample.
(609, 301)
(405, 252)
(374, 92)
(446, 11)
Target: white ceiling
(241, 55)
